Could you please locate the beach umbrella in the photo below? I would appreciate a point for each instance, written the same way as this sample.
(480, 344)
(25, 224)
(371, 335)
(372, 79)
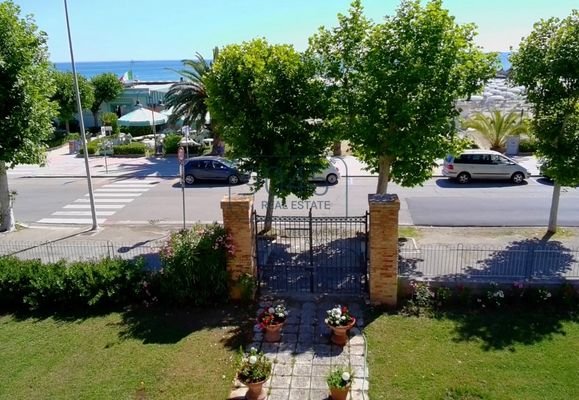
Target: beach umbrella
(142, 117)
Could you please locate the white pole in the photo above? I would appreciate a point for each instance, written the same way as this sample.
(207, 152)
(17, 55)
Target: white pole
(81, 120)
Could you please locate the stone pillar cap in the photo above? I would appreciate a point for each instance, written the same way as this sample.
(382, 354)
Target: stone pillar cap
(383, 198)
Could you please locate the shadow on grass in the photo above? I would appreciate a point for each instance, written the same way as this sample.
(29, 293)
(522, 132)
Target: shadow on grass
(159, 325)
(504, 329)
(165, 326)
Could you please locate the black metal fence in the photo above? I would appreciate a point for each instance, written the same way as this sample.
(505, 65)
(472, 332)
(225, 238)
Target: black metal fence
(527, 260)
(82, 251)
(312, 254)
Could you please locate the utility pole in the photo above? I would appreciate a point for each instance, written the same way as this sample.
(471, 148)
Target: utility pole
(81, 120)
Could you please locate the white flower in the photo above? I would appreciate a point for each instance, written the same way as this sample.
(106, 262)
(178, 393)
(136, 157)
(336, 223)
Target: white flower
(252, 349)
(252, 360)
(346, 376)
(271, 310)
(343, 318)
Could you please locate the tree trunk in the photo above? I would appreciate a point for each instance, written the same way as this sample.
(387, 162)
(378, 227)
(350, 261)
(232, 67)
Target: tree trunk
(269, 210)
(384, 164)
(216, 143)
(337, 148)
(6, 211)
(67, 125)
(554, 208)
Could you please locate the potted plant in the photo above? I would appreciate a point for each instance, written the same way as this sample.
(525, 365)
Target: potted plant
(339, 381)
(271, 320)
(254, 368)
(340, 322)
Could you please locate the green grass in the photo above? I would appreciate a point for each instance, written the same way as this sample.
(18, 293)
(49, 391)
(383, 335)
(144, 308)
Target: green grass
(135, 355)
(511, 355)
(409, 232)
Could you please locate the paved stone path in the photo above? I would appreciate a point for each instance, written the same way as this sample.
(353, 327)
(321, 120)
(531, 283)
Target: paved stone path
(305, 355)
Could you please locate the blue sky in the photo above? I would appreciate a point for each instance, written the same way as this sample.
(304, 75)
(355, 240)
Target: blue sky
(114, 30)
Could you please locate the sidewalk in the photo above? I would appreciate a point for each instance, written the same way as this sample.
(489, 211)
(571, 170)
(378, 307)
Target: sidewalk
(62, 164)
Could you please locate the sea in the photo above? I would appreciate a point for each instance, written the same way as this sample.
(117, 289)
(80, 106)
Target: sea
(159, 70)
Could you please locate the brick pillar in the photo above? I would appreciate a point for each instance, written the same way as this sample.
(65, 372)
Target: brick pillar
(383, 248)
(238, 223)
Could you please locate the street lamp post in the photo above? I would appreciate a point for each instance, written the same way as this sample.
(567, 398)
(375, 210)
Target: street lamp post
(154, 128)
(81, 120)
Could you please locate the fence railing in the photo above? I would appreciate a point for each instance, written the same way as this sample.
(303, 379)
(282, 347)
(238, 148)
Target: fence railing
(82, 251)
(544, 262)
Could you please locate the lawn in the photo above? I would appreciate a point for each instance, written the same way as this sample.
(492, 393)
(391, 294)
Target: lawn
(508, 355)
(146, 354)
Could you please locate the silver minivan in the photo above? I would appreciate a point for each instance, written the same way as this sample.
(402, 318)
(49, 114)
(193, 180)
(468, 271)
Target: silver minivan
(483, 164)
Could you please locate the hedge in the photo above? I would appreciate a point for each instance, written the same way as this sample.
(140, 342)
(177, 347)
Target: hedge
(76, 285)
(135, 148)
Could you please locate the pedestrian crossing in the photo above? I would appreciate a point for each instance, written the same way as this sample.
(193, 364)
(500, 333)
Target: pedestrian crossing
(108, 199)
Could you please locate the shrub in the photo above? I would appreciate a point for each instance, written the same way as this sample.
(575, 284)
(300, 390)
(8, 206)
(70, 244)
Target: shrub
(92, 147)
(139, 130)
(172, 143)
(194, 266)
(136, 148)
(111, 119)
(422, 300)
(253, 367)
(527, 146)
(93, 284)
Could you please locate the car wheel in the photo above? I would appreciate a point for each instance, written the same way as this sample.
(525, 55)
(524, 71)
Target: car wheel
(189, 179)
(332, 179)
(518, 178)
(233, 179)
(463, 178)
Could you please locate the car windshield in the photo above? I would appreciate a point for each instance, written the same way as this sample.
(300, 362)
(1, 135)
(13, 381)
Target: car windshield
(228, 163)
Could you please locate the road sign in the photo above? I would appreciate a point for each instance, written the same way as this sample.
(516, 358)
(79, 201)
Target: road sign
(181, 155)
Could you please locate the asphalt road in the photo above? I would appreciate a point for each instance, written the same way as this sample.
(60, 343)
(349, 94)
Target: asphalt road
(150, 201)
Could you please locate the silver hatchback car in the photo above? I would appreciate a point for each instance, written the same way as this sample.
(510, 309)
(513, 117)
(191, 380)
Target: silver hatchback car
(483, 164)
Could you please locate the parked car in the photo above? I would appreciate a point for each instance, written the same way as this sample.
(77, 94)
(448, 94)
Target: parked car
(330, 174)
(544, 166)
(483, 164)
(212, 168)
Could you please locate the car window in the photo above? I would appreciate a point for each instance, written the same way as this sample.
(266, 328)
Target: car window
(207, 164)
(218, 165)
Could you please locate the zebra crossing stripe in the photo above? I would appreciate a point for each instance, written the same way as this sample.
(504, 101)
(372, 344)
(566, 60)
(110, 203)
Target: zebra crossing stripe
(84, 213)
(104, 200)
(74, 221)
(98, 206)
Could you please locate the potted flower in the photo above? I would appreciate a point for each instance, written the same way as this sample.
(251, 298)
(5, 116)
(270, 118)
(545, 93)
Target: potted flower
(271, 320)
(340, 322)
(339, 381)
(253, 370)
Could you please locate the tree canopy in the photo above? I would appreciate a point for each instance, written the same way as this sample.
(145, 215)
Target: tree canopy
(65, 95)
(340, 53)
(269, 103)
(107, 87)
(26, 85)
(547, 64)
(413, 68)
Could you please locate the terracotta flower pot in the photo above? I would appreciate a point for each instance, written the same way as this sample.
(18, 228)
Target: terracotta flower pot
(255, 391)
(340, 333)
(339, 393)
(273, 332)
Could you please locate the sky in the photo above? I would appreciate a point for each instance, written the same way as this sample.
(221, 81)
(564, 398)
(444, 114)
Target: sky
(120, 30)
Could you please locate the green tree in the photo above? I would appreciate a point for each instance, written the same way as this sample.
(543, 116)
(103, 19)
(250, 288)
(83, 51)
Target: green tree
(65, 95)
(26, 111)
(418, 63)
(497, 126)
(111, 119)
(547, 64)
(340, 53)
(269, 103)
(107, 87)
(188, 98)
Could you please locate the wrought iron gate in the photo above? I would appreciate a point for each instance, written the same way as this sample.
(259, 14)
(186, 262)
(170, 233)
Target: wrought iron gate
(312, 254)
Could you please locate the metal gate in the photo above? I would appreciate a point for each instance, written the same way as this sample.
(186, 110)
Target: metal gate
(312, 254)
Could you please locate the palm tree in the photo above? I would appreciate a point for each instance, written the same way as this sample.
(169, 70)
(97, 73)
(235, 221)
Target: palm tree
(188, 97)
(497, 126)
